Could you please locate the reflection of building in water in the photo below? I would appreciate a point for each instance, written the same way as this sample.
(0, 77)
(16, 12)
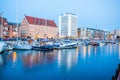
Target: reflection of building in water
(14, 57)
(77, 51)
(89, 48)
(107, 48)
(95, 50)
(31, 59)
(67, 57)
(88, 51)
(119, 51)
(110, 48)
(84, 52)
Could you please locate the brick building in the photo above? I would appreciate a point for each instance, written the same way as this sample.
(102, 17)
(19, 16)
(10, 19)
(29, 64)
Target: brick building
(32, 26)
(8, 30)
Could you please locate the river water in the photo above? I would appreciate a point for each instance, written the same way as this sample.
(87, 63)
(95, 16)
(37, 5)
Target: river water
(82, 63)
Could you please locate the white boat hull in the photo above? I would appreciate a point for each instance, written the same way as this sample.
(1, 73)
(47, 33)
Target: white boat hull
(2, 45)
(21, 46)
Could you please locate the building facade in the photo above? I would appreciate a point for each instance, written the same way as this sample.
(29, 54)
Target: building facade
(114, 34)
(32, 26)
(68, 24)
(91, 33)
(14, 30)
(4, 29)
(8, 30)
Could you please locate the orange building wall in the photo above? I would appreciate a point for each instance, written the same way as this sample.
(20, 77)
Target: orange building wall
(32, 30)
(24, 27)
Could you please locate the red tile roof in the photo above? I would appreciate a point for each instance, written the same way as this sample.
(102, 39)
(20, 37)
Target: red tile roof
(40, 21)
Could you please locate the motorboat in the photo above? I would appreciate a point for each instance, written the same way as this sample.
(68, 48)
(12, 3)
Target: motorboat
(8, 46)
(22, 46)
(69, 44)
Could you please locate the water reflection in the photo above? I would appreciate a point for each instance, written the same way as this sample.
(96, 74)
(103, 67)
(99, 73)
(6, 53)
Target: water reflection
(89, 50)
(1, 60)
(67, 57)
(119, 50)
(110, 48)
(84, 52)
(95, 50)
(33, 58)
(65, 63)
(14, 56)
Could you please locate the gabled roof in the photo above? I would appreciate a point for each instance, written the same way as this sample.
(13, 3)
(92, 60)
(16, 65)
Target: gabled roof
(40, 21)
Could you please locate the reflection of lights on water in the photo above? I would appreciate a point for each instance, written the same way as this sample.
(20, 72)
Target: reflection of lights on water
(32, 58)
(95, 49)
(14, 58)
(89, 50)
(101, 48)
(115, 48)
(77, 54)
(107, 49)
(110, 48)
(84, 51)
(59, 57)
(69, 60)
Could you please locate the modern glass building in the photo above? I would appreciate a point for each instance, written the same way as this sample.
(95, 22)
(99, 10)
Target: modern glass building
(68, 24)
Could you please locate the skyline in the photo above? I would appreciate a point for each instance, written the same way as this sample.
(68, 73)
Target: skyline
(104, 14)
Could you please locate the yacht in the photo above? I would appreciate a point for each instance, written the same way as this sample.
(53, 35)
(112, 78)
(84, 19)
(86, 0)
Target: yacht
(22, 46)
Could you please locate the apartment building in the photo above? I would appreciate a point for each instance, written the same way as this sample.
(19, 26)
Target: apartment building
(68, 24)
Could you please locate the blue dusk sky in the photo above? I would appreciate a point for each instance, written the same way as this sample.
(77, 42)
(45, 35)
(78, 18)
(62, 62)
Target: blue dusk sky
(103, 13)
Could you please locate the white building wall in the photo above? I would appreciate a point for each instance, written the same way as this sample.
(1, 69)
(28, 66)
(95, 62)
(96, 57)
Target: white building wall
(68, 24)
(59, 28)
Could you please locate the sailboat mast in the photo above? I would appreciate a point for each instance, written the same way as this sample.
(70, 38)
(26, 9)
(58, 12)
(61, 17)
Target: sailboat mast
(17, 17)
(45, 28)
(1, 26)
